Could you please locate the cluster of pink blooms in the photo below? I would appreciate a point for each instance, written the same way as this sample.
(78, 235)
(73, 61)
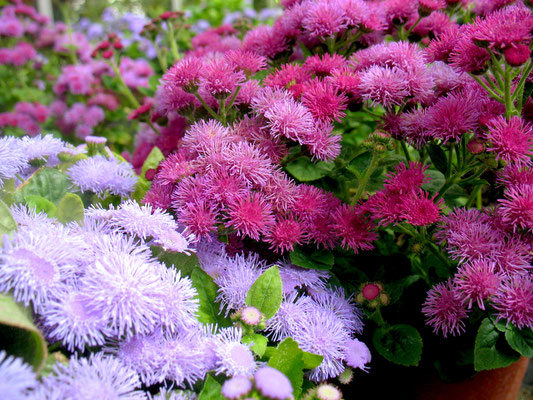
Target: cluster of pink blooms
(135, 72)
(79, 118)
(26, 116)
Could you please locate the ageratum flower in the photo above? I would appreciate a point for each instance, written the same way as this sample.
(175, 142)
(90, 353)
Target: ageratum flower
(357, 354)
(236, 387)
(517, 207)
(478, 281)
(514, 301)
(97, 377)
(17, 379)
(511, 140)
(272, 383)
(292, 312)
(13, 157)
(335, 301)
(294, 277)
(233, 357)
(99, 175)
(251, 216)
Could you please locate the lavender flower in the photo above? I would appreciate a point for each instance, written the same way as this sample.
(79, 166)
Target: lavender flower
(273, 384)
(294, 277)
(12, 157)
(44, 147)
(17, 379)
(335, 302)
(99, 174)
(233, 357)
(236, 387)
(292, 312)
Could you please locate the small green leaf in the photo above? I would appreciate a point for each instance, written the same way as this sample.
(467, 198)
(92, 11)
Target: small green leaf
(438, 157)
(400, 344)
(7, 223)
(152, 161)
(311, 360)
(185, 263)
(305, 170)
(490, 349)
(49, 183)
(520, 340)
(207, 293)
(266, 293)
(259, 343)
(19, 335)
(436, 182)
(319, 259)
(212, 390)
(70, 208)
(360, 163)
(141, 187)
(41, 205)
(288, 358)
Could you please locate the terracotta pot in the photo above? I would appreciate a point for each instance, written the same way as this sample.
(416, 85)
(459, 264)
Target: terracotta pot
(496, 384)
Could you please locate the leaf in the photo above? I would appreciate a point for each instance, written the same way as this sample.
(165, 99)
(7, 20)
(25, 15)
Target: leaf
(41, 205)
(520, 340)
(70, 208)
(528, 89)
(141, 187)
(266, 292)
(185, 263)
(207, 293)
(19, 335)
(7, 223)
(305, 170)
(152, 161)
(438, 157)
(311, 360)
(320, 259)
(490, 349)
(436, 182)
(395, 289)
(400, 344)
(288, 358)
(49, 183)
(259, 343)
(212, 390)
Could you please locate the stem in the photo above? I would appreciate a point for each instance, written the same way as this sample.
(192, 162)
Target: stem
(206, 106)
(162, 60)
(125, 89)
(450, 162)
(496, 69)
(366, 177)
(153, 126)
(413, 27)
(234, 96)
(519, 91)
(222, 110)
(488, 89)
(172, 39)
(509, 107)
(405, 151)
(473, 196)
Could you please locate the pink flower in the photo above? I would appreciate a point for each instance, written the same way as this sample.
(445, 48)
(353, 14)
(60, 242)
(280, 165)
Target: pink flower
(246, 160)
(399, 11)
(247, 61)
(185, 73)
(199, 217)
(407, 178)
(290, 77)
(515, 175)
(440, 48)
(354, 11)
(444, 309)
(219, 78)
(514, 301)
(264, 41)
(285, 233)
(354, 228)
(420, 210)
(323, 144)
(511, 140)
(324, 101)
(466, 56)
(384, 85)
(324, 19)
(250, 216)
(478, 281)
(517, 207)
(324, 65)
(289, 118)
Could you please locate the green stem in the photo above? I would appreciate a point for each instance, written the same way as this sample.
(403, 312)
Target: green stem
(234, 96)
(172, 39)
(496, 69)
(473, 196)
(222, 110)
(413, 27)
(509, 107)
(450, 162)
(152, 126)
(519, 91)
(207, 107)
(366, 177)
(405, 151)
(488, 89)
(479, 199)
(162, 59)
(430, 245)
(124, 88)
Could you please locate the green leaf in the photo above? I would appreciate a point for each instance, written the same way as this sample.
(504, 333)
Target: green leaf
(438, 157)
(259, 343)
(141, 187)
(400, 344)
(70, 208)
(19, 335)
(311, 360)
(152, 161)
(395, 289)
(319, 259)
(436, 182)
(49, 183)
(490, 349)
(7, 223)
(185, 263)
(288, 358)
(153, 82)
(212, 390)
(41, 205)
(305, 170)
(207, 292)
(266, 292)
(520, 340)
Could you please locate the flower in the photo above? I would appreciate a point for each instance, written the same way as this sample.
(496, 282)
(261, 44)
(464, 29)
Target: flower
(17, 379)
(517, 207)
(236, 387)
(384, 85)
(444, 309)
(323, 20)
(251, 216)
(514, 301)
(99, 174)
(353, 228)
(292, 312)
(478, 281)
(357, 354)
(324, 101)
(290, 119)
(335, 301)
(511, 140)
(294, 278)
(13, 157)
(285, 234)
(273, 384)
(326, 391)
(233, 357)
(99, 376)
(420, 210)
(250, 315)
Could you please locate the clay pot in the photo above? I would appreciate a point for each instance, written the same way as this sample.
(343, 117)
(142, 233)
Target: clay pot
(496, 384)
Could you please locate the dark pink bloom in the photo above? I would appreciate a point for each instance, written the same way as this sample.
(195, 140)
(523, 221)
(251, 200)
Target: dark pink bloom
(250, 216)
(185, 73)
(323, 143)
(199, 217)
(386, 206)
(226, 188)
(159, 195)
(264, 41)
(354, 11)
(324, 65)
(511, 140)
(399, 11)
(354, 228)
(247, 61)
(346, 81)
(445, 309)
(517, 55)
(440, 48)
(285, 233)
(281, 192)
(324, 19)
(466, 55)
(517, 207)
(515, 175)
(290, 77)
(384, 85)
(246, 160)
(324, 101)
(289, 118)
(514, 301)
(478, 281)
(219, 78)
(433, 25)
(406, 179)
(421, 210)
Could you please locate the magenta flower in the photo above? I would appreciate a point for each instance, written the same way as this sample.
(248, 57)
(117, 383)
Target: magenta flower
(251, 216)
(517, 207)
(421, 210)
(514, 301)
(478, 281)
(285, 233)
(511, 140)
(444, 309)
(384, 85)
(354, 228)
(324, 19)
(324, 101)
(324, 65)
(219, 78)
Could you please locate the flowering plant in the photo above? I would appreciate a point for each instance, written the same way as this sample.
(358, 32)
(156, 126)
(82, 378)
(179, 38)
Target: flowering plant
(356, 162)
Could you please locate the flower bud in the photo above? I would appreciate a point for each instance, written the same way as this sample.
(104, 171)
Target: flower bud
(475, 146)
(517, 56)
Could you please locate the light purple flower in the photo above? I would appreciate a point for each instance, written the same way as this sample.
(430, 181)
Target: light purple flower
(294, 277)
(236, 387)
(99, 175)
(357, 354)
(273, 384)
(45, 147)
(335, 301)
(12, 158)
(17, 379)
(233, 357)
(292, 312)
